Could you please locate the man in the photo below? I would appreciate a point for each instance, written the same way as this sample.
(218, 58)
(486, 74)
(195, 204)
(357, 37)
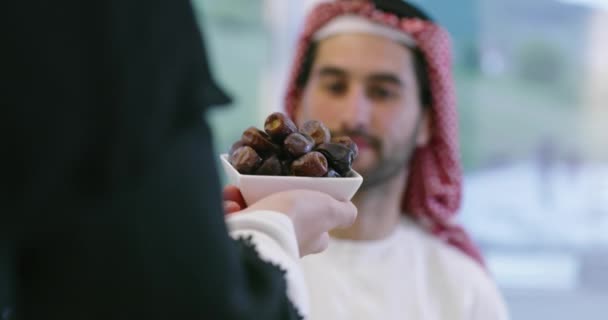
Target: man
(379, 72)
(110, 201)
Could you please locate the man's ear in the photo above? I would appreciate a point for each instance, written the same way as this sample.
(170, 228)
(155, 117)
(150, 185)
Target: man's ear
(424, 129)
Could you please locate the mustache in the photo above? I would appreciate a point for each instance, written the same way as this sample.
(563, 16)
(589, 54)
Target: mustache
(360, 133)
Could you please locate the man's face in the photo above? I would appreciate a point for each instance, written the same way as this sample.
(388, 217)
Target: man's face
(365, 86)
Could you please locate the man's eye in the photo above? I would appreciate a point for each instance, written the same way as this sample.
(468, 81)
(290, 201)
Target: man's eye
(336, 88)
(380, 93)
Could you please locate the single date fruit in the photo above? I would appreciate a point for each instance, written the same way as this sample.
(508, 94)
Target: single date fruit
(298, 144)
(339, 156)
(278, 126)
(317, 131)
(245, 160)
(312, 164)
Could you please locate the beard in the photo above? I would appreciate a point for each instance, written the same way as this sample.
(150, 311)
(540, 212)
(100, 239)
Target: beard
(389, 163)
(387, 167)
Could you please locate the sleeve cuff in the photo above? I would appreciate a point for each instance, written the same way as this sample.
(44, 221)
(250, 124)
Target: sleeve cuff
(274, 238)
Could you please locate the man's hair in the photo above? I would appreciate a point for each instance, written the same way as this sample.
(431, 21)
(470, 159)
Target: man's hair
(402, 10)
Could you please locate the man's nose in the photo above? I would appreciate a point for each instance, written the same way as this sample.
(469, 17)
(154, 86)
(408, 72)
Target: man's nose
(356, 109)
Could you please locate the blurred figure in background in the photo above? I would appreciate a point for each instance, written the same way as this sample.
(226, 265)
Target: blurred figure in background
(379, 72)
(110, 204)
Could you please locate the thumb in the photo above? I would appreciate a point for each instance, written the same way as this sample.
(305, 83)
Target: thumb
(344, 214)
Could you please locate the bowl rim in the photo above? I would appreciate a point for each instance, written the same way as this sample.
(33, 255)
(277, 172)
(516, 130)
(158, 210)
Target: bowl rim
(224, 157)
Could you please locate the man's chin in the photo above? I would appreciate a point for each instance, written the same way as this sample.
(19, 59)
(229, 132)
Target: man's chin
(379, 172)
(368, 172)
(364, 169)
(366, 160)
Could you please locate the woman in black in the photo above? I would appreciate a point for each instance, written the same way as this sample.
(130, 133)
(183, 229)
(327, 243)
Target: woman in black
(110, 202)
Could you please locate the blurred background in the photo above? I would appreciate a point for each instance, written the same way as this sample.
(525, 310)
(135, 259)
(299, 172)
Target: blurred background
(532, 80)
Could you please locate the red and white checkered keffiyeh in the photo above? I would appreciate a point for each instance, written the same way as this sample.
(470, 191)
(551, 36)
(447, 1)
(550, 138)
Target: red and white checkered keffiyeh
(434, 186)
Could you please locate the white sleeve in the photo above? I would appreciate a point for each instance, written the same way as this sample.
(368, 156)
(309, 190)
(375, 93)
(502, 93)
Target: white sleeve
(274, 238)
(488, 302)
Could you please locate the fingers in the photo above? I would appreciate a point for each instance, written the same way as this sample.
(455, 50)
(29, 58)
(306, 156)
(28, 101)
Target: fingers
(334, 213)
(231, 207)
(318, 246)
(343, 214)
(232, 193)
(312, 213)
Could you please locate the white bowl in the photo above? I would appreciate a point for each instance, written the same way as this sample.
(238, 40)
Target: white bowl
(254, 187)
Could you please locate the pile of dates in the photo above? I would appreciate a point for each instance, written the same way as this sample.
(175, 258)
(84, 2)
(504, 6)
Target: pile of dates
(283, 149)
